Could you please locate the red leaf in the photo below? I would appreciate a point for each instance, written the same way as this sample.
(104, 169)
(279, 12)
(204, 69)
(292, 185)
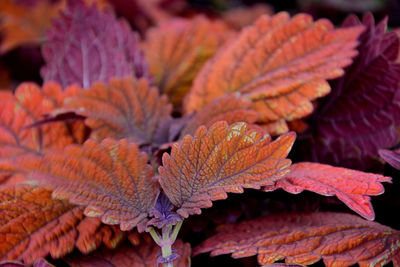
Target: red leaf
(112, 179)
(26, 25)
(281, 63)
(32, 225)
(87, 45)
(25, 108)
(178, 48)
(350, 186)
(204, 167)
(124, 108)
(362, 113)
(127, 256)
(337, 238)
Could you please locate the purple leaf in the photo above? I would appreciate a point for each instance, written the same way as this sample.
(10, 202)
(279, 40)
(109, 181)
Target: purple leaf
(86, 45)
(391, 157)
(163, 214)
(362, 113)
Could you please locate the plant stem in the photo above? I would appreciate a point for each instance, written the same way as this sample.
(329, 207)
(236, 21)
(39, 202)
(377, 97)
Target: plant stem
(156, 237)
(176, 231)
(169, 235)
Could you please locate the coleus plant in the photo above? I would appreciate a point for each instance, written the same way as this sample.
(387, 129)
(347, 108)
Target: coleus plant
(118, 142)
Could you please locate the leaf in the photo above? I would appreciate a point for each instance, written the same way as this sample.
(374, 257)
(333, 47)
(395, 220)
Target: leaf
(350, 186)
(362, 113)
(391, 156)
(337, 238)
(32, 225)
(128, 256)
(87, 45)
(204, 167)
(24, 25)
(124, 108)
(26, 107)
(230, 108)
(112, 179)
(178, 48)
(243, 16)
(163, 214)
(37, 263)
(278, 62)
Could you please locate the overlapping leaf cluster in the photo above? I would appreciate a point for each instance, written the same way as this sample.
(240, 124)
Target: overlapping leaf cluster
(119, 141)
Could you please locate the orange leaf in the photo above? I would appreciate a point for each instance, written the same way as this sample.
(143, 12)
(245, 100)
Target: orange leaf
(339, 239)
(124, 108)
(177, 49)
(25, 108)
(240, 17)
(112, 179)
(350, 186)
(281, 63)
(23, 25)
(230, 108)
(204, 167)
(32, 225)
(127, 256)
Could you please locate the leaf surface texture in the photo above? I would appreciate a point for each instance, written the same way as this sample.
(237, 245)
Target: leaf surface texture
(204, 167)
(281, 63)
(87, 45)
(337, 238)
(124, 108)
(352, 187)
(361, 115)
(33, 225)
(27, 106)
(112, 179)
(178, 48)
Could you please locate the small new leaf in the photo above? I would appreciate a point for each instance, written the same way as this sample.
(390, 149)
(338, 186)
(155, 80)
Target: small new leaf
(221, 159)
(337, 238)
(350, 186)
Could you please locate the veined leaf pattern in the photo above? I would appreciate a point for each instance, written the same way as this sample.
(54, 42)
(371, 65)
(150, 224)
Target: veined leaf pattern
(206, 166)
(112, 179)
(338, 239)
(281, 63)
(352, 187)
(34, 225)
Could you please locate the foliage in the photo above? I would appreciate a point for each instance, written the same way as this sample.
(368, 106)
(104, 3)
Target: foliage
(108, 160)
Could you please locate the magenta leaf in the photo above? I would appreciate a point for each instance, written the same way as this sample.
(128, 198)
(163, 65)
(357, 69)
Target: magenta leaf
(391, 156)
(87, 45)
(362, 113)
(163, 213)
